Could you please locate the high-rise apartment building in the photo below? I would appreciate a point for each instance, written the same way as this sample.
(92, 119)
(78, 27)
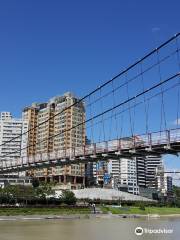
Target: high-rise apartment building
(168, 184)
(29, 140)
(114, 167)
(128, 175)
(10, 128)
(100, 168)
(164, 181)
(141, 171)
(58, 132)
(133, 174)
(124, 175)
(152, 162)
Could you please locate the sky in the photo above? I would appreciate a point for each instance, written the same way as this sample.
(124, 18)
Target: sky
(50, 47)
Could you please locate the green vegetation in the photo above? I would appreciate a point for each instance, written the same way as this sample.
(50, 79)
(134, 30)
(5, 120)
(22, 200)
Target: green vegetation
(35, 182)
(39, 200)
(142, 207)
(36, 200)
(68, 197)
(38, 194)
(64, 210)
(140, 210)
(176, 191)
(13, 194)
(43, 211)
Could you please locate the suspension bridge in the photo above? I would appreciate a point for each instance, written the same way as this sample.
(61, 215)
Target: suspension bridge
(143, 98)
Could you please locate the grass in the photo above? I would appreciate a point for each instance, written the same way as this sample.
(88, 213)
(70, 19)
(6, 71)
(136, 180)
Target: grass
(136, 210)
(42, 211)
(69, 211)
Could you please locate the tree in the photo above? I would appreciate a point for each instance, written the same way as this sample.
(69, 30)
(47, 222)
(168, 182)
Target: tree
(35, 183)
(17, 194)
(68, 197)
(24, 194)
(176, 191)
(43, 191)
(12, 192)
(27, 193)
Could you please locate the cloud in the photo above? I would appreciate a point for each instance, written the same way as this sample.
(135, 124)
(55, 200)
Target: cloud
(176, 122)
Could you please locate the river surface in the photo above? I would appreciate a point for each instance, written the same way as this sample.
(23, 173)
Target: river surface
(88, 229)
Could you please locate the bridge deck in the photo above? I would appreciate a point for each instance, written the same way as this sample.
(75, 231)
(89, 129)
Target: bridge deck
(157, 143)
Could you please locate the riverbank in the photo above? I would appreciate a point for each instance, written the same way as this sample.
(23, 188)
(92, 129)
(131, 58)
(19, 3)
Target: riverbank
(85, 212)
(85, 216)
(146, 211)
(44, 211)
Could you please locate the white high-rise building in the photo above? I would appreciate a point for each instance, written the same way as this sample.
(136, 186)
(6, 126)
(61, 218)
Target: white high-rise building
(141, 171)
(128, 175)
(152, 162)
(114, 167)
(133, 174)
(123, 172)
(164, 181)
(10, 128)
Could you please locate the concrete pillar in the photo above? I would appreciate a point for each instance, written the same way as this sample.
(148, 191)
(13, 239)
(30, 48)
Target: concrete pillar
(75, 179)
(65, 180)
(59, 179)
(45, 179)
(84, 181)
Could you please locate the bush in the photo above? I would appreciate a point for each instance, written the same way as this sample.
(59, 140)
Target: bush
(142, 207)
(68, 197)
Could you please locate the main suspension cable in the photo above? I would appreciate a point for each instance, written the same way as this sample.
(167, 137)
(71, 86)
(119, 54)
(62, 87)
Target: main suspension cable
(95, 90)
(103, 113)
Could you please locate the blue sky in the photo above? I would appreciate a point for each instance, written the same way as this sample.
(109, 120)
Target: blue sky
(49, 47)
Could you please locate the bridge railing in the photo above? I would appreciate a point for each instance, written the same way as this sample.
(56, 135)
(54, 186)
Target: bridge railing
(61, 153)
(126, 143)
(79, 151)
(90, 149)
(102, 147)
(175, 135)
(159, 138)
(138, 141)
